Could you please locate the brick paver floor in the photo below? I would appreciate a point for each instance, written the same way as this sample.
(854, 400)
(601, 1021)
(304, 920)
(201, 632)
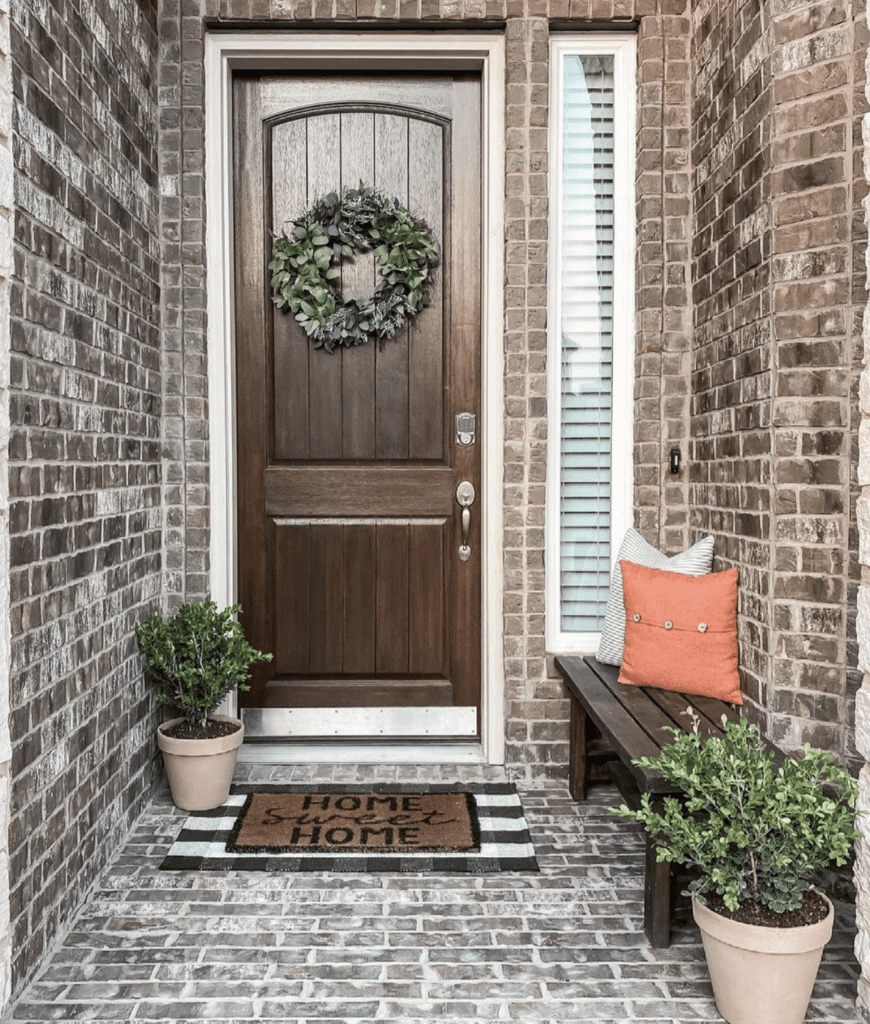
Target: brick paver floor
(563, 945)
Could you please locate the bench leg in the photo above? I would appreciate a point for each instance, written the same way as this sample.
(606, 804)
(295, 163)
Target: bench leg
(577, 748)
(657, 894)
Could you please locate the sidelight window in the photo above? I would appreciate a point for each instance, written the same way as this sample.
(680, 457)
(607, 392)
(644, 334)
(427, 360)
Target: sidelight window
(591, 328)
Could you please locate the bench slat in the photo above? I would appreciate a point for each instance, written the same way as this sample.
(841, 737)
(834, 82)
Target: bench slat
(715, 709)
(637, 701)
(677, 704)
(611, 717)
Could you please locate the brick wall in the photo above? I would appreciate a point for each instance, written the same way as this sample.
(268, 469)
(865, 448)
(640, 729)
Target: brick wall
(182, 279)
(858, 642)
(537, 711)
(859, 292)
(6, 207)
(777, 345)
(729, 468)
(816, 236)
(84, 456)
(663, 276)
(715, 182)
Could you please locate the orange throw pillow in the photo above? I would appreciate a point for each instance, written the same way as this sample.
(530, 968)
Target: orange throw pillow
(681, 631)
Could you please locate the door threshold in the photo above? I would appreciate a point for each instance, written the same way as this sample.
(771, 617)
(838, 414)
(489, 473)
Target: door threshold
(296, 752)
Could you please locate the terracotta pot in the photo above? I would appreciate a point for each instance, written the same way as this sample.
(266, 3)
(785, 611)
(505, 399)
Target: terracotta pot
(200, 772)
(762, 975)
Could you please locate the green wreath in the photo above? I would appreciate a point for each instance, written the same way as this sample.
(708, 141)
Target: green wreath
(306, 266)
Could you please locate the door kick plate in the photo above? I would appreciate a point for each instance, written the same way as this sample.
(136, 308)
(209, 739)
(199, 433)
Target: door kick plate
(394, 722)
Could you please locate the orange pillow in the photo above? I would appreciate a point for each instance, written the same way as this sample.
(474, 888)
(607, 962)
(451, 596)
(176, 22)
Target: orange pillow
(681, 631)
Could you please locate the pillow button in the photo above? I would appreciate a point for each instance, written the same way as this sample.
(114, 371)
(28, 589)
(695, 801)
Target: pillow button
(702, 627)
(636, 617)
(668, 624)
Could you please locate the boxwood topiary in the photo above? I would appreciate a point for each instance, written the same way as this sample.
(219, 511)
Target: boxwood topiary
(196, 656)
(756, 832)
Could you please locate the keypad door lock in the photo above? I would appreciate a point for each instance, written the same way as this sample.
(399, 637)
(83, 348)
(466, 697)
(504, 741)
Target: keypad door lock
(466, 429)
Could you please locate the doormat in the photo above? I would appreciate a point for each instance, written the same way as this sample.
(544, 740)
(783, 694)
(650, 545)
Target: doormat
(470, 828)
(315, 822)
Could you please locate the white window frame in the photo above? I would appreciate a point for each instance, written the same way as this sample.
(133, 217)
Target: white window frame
(623, 46)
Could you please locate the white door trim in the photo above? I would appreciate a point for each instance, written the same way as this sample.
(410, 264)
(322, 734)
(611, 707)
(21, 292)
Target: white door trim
(394, 51)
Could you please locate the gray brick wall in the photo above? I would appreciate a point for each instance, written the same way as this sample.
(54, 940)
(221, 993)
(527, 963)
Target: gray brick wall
(537, 711)
(858, 269)
(84, 452)
(730, 467)
(778, 240)
(181, 96)
(816, 236)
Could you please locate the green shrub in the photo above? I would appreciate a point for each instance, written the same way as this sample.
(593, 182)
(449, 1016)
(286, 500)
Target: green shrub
(196, 657)
(755, 832)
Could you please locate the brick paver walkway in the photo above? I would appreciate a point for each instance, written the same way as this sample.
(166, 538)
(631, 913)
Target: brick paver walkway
(563, 945)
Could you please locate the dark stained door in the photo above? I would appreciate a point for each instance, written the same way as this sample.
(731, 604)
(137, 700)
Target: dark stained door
(348, 523)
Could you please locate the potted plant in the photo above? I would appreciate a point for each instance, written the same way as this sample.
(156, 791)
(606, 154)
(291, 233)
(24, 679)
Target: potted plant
(756, 834)
(195, 657)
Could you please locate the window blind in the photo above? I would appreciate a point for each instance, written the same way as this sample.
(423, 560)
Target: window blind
(586, 330)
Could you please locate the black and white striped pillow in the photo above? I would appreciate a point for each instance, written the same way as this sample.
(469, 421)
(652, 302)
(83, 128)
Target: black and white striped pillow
(694, 561)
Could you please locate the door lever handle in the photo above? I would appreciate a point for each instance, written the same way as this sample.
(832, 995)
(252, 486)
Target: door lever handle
(465, 497)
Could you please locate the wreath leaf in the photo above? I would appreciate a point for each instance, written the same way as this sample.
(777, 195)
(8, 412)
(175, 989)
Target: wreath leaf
(306, 267)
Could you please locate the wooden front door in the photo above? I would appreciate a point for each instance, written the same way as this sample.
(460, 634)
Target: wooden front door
(349, 527)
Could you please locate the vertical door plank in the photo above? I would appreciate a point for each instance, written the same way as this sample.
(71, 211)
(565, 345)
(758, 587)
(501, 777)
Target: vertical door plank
(465, 381)
(289, 201)
(324, 176)
(292, 620)
(360, 554)
(326, 600)
(358, 282)
(392, 597)
(426, 615)
(425, 352)
(391, 375)
(253, 539)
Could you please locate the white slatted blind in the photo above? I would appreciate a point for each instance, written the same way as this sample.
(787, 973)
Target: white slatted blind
(587, 293)
(590, 328)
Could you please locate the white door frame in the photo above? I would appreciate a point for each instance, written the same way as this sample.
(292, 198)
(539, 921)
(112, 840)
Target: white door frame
(393, 51)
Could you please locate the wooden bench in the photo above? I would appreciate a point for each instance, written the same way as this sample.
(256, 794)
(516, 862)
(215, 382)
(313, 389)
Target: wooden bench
(632, 721)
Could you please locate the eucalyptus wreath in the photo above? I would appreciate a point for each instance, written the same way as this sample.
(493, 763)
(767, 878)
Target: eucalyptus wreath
(306, 267)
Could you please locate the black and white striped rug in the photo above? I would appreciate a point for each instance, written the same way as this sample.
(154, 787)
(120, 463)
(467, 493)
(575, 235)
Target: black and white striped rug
(206, 838)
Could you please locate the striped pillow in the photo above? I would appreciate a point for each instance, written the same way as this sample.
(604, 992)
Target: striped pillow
(694, 561)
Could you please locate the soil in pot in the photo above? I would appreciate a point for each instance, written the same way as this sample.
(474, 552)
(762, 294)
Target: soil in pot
(214, 727)
(814, 908)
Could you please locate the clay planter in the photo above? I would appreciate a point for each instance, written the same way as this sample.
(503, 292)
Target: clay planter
(762, 975)
(200, 772)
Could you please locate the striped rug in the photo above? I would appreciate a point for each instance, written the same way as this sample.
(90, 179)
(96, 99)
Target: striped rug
(205, 842)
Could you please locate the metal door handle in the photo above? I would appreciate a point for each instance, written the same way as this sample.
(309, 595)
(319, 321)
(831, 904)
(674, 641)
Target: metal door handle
(464, 549)
(465, 497)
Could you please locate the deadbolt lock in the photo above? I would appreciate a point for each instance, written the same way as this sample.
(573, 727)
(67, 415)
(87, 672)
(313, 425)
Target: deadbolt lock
(466, 428)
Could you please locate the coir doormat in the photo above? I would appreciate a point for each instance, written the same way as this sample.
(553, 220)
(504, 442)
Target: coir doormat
(475, 828)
